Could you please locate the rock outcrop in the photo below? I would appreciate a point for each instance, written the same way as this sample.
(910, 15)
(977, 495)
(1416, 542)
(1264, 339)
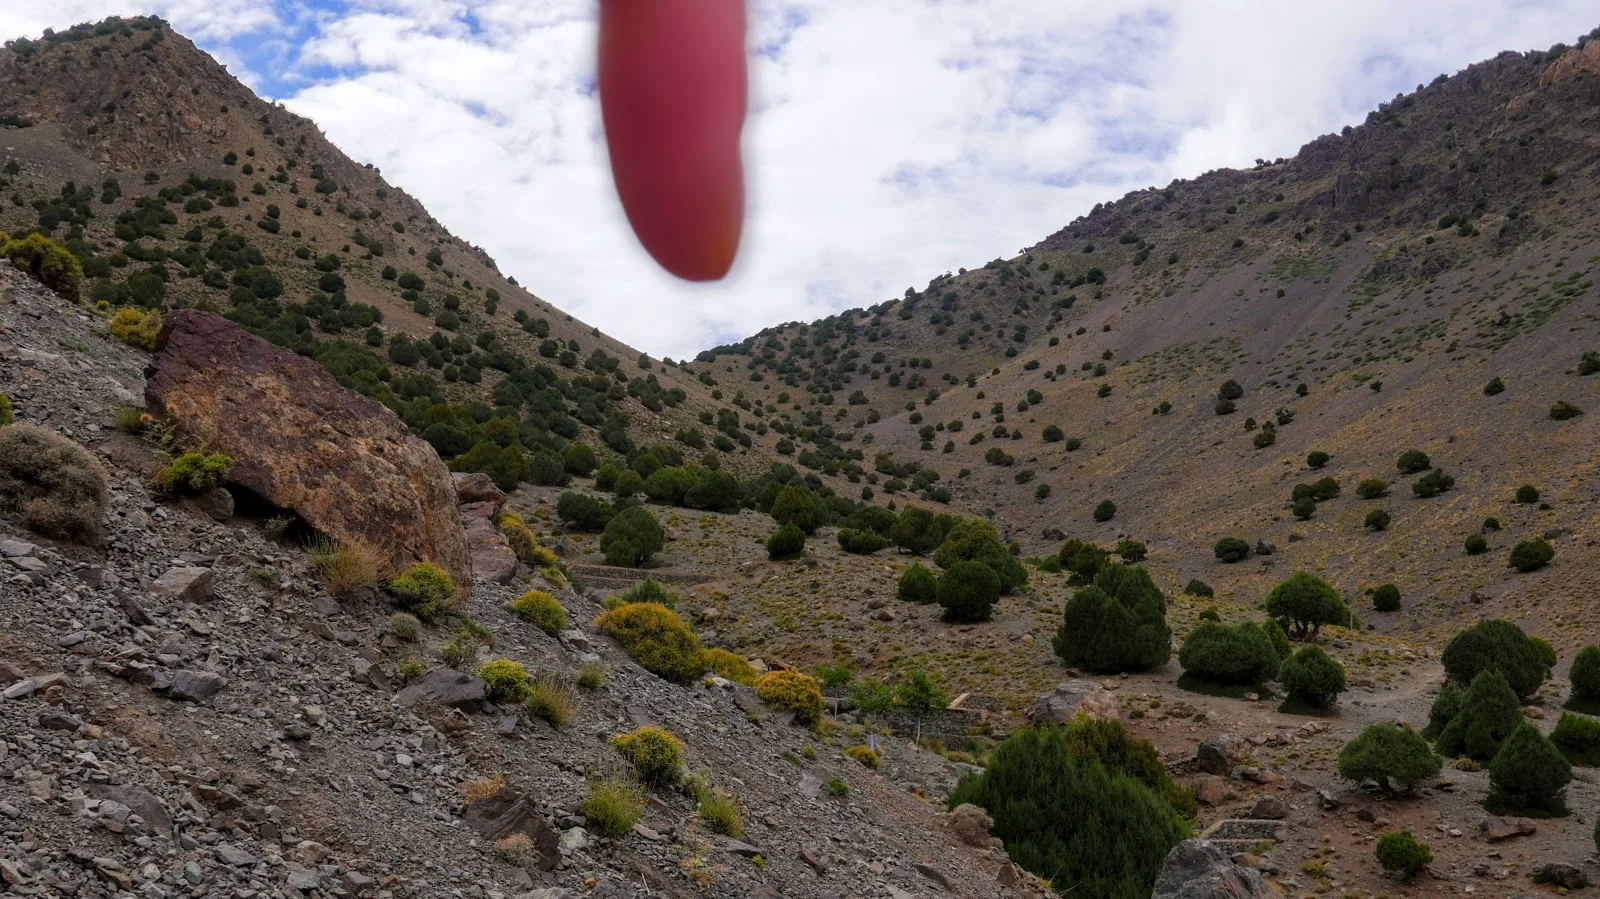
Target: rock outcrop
(301, 441)
(1571, 64)
(492, 557)
(1196, 869)
(1073, 698)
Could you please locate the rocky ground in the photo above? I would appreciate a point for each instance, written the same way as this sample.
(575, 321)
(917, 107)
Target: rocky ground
(188, 714)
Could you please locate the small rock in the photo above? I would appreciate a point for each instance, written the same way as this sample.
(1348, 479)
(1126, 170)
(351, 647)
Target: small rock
(1561, 874)
(1270, 808)
(184, 584)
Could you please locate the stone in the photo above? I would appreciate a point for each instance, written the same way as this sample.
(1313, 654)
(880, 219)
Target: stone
(216, 504)
(971, 824)
(356, 883)
(1263, 548)
(145, 805)
(187, 584)
(1198, 869)
(14, 549)
(344, 463)
(1533, 712)
(575, 839)
(229, 854)
(492, 557)
(811, 857)
(1270, 808)
(576, 641)
(933, 874)
(1561, 874)
(1219, 755)
(1209, 789)
(447, 687)
(1009, 875)
(476, 487)
(189, 686)
(740, 848)
(505, 813)
(1075, 697)
(59, 721)
(304, 881)
(9, 672)
(1496, 829)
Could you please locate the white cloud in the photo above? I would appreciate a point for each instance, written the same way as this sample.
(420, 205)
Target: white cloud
(890, 141)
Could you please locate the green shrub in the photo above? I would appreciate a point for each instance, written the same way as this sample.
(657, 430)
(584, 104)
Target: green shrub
(975, 540)
(669, 485)
(720, 813)
(1475, 544)
(1312, 676)
(628, 483)
(584, 513)
(916, 531)
(1084, 560)
(656, 755)
(1432, 484)
(1080, 820)
(1531, 555)
(613, 805)
(729, 665)
(787, 542)
(917, 584)
(1446, 706)
(1523, 661)
(1304, 507)
(632, 537)
(1106, 511)
(967, 591)
(1489, 713)
(405, 627)
(1197, 587)
(1317, 459)
(504, 680)
(196, 472)
(1393, 756)
(797, 506)
(1585, 674)
(1528, 772)
(1279, 637)
(1131, 551)
(1403, 854)
(838, 787)
(425, 590)
(1578, 738)
(1564, 410)
(1377, 519)
(1211, 614)
(866, 755)
(1307, 602)
(793, 690)
(136, 327)
(48, 262)
(1231, 549)
(656, 638)
(647, 590)
(1053, 434)
(52, 485)
(872, 518)
(1241, 654)
(1495, 387)
(861, 542)
(6, 416)
(1372, 488)
(1527, 494)
(541, 610)
(1116, 623)
(1386, 598)
(1413, 461)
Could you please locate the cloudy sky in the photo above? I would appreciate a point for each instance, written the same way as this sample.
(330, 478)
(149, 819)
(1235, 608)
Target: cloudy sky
(889, 140)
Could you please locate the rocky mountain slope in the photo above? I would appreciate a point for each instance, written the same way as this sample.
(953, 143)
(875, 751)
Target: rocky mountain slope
(1362, 295)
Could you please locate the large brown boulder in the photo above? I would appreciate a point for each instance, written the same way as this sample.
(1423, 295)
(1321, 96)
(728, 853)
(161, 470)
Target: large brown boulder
(301, 441)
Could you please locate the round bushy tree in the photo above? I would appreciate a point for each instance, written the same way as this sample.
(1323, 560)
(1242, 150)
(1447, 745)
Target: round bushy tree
(1303, 508)
(1446, 706)
(1489, 713)
(975, 540)
(1307, 602)
(1242, 654)
(967, 591)
(916, 531)
(787, 542)
(861, 542)
(1403, 854)
(795, 505)
(1231, 549)
(1398, 758)
(1197, 587)
(1312, 676)
(1086, 819)
(1372, 488)
(872, 518)
(1106, 511)
(1585, 674)
(1317, 459)
(1377, 519)
(1083, 560)
(1502, 646)
(1578, 738)
(632, 537)
(1531, 555)
(1527, 494)
(1279, 637)
(1476, 544)
(1116, 623)
(1528, 771)
(1386, 598)
(918, 585)
(1413, 461)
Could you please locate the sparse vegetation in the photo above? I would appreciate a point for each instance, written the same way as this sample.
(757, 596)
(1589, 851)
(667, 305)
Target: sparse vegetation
(656, 755)
(792, 690)
(1531, 555)
(346, 566)
(52, 484)
(656, 638)
(1403, 854)
(425, 590)
(541, 610)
